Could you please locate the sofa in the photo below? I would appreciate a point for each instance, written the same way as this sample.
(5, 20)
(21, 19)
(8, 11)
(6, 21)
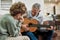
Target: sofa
(18, 38)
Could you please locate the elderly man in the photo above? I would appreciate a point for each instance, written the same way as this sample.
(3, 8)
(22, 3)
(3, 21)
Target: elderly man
(34, 14)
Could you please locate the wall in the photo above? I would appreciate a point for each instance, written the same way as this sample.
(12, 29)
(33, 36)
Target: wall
(48, 8)
(58, 9)
(45, 7)
(0, 3)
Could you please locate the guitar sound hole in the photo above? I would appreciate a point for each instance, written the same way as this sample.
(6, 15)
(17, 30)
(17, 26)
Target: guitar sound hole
(30, 24)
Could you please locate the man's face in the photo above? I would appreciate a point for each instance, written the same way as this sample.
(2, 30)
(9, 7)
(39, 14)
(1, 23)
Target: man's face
(35, 10)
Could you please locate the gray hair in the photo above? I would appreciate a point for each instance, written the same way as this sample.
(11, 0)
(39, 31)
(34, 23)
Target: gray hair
(36, 5)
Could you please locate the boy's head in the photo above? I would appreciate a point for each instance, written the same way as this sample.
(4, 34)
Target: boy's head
(18, 9)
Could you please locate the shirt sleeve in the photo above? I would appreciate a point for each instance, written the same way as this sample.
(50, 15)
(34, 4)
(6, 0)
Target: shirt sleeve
(13, 30)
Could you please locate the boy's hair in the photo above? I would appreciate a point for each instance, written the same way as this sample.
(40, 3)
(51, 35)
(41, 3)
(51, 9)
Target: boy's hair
(17, 8)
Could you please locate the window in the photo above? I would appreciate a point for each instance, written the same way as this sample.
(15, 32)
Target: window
(5, 4)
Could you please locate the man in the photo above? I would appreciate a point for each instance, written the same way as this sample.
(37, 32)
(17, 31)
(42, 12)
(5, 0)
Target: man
(34, 14)
(10, 24)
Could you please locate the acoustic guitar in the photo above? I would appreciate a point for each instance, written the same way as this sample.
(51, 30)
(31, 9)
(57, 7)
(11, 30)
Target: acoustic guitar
(33, 25)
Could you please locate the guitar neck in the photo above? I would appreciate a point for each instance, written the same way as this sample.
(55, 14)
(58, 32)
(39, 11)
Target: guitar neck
(39, 25)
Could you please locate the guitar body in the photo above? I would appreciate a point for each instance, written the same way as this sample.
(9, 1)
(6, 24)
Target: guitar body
(28, 21)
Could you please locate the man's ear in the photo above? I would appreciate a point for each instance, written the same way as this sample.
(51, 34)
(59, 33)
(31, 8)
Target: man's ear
(39, 10)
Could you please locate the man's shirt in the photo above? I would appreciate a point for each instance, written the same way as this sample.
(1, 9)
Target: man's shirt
(37, 17)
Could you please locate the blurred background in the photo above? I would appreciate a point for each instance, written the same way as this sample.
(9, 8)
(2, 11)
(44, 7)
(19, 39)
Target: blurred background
(47, 6)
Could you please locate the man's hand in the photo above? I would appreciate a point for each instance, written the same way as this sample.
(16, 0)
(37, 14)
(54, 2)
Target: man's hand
(51, 28)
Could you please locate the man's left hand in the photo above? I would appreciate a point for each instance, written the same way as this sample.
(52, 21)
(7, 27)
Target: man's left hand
(51, 28)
